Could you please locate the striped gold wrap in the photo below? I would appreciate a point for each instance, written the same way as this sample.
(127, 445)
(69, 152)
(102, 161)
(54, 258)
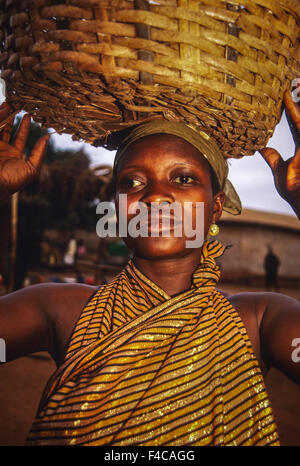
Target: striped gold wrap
(144, 368)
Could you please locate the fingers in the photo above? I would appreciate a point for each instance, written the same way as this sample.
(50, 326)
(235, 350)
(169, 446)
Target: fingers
(7, 150)
(5, 110)
(293, 116)
(296, 161)
(293, 109)
(38, 152)
(22, 133)
(6, 121)
(272, 157)
(6, 132)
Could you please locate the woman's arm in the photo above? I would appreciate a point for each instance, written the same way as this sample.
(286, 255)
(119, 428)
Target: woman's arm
(25, 325)
(280, 320)
(41, 318)
(280, 333)
(287, 172)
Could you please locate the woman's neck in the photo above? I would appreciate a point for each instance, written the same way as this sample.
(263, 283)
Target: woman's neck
(171, 275)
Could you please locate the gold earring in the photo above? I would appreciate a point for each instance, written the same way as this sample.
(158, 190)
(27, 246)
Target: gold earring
(213, 229)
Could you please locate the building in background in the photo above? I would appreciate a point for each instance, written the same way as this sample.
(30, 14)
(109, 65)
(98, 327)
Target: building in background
(249, 236)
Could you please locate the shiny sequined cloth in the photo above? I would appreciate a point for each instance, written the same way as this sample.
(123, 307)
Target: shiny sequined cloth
(144, 368)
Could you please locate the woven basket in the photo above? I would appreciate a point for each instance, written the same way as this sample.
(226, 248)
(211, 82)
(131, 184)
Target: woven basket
(94, 67)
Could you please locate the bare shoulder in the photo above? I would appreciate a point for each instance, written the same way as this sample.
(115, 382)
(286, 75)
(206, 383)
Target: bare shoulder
(41, 317)
(258, 303)
(247, 304)
(280, 333)
(63, 295)
(272, 321)
(54, 298)
(50, 291)
(65, 303)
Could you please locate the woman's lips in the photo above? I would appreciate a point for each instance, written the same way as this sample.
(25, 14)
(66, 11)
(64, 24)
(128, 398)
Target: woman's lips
(163, 224)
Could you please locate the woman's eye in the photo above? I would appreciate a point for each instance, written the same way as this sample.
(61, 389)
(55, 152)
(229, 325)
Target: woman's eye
(130, 183)
(135, 183)
(184, 179)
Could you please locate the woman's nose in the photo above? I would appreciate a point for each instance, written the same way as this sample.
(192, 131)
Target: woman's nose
(157, 193)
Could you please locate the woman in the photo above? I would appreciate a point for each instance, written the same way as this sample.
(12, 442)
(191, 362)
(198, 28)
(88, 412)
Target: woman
(160, 356)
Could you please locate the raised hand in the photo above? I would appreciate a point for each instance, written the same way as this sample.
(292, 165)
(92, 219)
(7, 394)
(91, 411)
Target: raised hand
(287, 172)
(15, 171)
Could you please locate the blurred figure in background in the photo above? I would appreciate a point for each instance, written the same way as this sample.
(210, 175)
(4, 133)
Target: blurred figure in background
(271, 265)
(69, 257)
(81, 250)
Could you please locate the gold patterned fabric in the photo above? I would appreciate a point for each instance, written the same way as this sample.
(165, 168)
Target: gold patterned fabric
(144, 368)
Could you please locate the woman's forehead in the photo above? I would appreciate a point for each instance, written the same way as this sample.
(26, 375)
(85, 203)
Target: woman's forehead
(161, 148)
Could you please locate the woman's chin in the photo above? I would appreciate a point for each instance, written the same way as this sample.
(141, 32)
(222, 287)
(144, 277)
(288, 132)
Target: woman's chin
(154, 248)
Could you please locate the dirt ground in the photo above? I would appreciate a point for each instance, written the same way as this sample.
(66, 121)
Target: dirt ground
(21, 386)
(22, 382)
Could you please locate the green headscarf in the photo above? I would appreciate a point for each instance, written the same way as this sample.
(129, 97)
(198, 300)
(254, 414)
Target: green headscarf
(204, 143)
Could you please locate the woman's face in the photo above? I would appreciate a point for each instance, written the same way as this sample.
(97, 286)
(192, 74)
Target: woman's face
(167, 169)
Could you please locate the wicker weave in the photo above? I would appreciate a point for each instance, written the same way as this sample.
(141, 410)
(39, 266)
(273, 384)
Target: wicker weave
(93, 67)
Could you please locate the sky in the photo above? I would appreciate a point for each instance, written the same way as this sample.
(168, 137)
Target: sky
(251, 176)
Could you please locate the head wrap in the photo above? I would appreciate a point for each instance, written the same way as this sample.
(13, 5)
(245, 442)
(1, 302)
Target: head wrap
(205, 145)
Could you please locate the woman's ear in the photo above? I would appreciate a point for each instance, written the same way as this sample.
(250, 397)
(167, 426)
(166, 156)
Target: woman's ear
(219, 200)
